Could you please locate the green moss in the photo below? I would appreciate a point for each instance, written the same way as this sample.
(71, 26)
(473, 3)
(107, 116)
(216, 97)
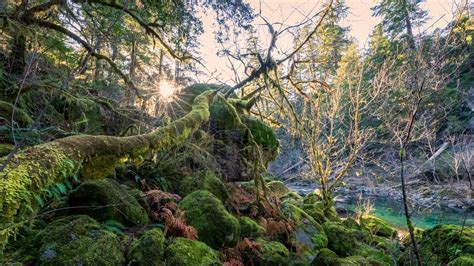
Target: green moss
(249, 228)
(315, 211)
(140, 197)
(378, 226)
(204, 180)
(351, 223)
(341, 239)
(444, 243)
(263, 135)
(78, 240)
(373, 255)
(312, 198)
(308, 234)
(272, 253)
(5, 149)
(277, 188)
(183, 251)
(21, 116)
(38, 167)
(462, 261)
(215, 225)
(107, 200)
(149, 249)
(326, 257)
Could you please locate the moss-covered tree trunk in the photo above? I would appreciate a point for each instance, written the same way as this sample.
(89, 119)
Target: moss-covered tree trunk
(41, 166)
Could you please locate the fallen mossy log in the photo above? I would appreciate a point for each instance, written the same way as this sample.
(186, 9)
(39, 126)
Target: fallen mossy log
(36, 168)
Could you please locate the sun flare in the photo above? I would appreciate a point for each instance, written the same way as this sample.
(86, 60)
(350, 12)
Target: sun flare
(167, 89)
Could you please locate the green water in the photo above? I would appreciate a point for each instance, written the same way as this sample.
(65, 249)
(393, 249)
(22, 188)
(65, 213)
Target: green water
(392, 212)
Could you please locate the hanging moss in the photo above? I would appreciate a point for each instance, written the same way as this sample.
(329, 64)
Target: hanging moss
(41, 166)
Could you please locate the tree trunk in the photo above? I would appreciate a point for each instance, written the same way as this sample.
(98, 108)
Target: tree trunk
(39, 167)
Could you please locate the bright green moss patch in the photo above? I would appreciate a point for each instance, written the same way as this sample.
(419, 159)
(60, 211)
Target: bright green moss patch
(107, 200)
(148, 249)
(78, 240)
(249, 228)
(378, 226)
(182, 251)
(204, 180)
(341, 239)
(215, 225)
(444, 243)
(272, 253)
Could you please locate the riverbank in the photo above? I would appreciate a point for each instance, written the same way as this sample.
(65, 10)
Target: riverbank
(386, 202)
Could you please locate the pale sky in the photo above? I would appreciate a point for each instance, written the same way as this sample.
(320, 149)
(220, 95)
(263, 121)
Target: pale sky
(292, 12)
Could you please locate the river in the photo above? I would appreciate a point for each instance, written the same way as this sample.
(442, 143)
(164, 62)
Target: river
(392, 211)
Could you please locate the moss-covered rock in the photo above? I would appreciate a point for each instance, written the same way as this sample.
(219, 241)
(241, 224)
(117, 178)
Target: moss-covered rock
(107, 200)
(249, 228)
(182, 251)
(204, 180)
(340, 239)
(325, 257)
(215, 225)
(263, 135)
(443, 244)
(293, 198)
(308, 235)
(373, 255)
(315, 211)
(78, 240)
(378, 226)
(149, 249)
(272, 253)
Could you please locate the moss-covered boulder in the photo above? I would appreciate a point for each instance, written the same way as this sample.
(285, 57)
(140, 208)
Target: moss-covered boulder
(372, 255)
(325, 257)
(182, 251)
(215, 225)
(107, 200)
(308, 235)
(443, 244)
(78, 240)
(340, 239)
(249, 228)
(378, 226)
(149, 249)
(272, 253)
(204, 180)
(315, 211)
